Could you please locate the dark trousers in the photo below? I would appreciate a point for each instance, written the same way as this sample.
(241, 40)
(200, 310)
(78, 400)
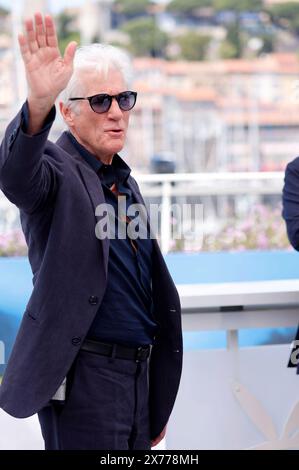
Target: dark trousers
(106, 407)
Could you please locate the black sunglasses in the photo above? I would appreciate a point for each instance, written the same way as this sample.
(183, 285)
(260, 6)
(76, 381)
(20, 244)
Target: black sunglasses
(101, 103)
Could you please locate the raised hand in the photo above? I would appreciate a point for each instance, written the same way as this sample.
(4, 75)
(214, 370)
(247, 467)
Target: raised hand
(47, 72)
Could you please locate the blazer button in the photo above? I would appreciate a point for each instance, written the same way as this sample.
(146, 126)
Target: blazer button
(76, 340)
(93, 300)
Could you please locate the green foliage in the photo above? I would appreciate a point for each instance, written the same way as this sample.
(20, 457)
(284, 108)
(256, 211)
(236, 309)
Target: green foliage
(240, 5)
(146, 38)
(268, 44)
(63, 22)
(228, 50)
(65, 32)
(232, 46)
(193, 46)
(62, 43)
(187, 6)
(286, 12)
(295, 24)
(3, 11)
(129, 7)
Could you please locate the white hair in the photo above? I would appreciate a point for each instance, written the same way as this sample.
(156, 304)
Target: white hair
(100, 58)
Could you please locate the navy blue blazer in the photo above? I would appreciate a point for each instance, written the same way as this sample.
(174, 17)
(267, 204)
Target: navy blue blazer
(57, 193)
(290, 213)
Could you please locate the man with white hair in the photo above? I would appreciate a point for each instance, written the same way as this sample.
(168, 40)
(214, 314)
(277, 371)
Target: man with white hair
(99, 351)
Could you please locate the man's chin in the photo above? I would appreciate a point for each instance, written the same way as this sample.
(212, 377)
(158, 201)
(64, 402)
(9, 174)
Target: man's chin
(117, 149)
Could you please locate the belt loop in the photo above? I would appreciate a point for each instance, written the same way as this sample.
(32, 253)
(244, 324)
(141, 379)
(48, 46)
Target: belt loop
(113, 353)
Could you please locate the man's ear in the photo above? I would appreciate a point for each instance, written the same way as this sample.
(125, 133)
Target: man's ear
(67, 114)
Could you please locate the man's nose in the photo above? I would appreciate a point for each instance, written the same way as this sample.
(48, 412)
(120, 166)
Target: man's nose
(114, 110)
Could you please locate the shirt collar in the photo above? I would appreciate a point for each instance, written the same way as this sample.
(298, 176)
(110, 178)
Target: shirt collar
(118, 171)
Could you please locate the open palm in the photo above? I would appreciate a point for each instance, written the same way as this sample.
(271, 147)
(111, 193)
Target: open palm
(47, 72)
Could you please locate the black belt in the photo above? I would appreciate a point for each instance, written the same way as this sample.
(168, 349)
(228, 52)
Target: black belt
(137, 354)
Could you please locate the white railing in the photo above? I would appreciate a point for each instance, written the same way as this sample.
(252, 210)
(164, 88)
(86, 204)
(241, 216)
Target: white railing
(166, 187)
(169, 186)
(267, 176)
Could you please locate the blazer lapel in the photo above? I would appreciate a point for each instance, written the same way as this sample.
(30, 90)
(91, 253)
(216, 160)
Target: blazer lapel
(92, 186)
(96, 194)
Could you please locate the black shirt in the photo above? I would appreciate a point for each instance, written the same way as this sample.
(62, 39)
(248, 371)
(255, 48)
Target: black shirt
(126, 314)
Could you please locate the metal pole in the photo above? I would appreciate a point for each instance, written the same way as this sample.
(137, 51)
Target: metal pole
(165, 217)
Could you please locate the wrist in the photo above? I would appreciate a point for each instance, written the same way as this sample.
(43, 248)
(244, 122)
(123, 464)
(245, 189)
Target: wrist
(38, 111)
(39, 106)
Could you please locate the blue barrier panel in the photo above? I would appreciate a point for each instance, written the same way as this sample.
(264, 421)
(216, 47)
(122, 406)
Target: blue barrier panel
(193, 268)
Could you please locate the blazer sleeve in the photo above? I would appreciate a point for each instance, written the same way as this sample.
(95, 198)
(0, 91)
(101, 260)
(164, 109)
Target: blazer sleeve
(290, 201)
(27, 177)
